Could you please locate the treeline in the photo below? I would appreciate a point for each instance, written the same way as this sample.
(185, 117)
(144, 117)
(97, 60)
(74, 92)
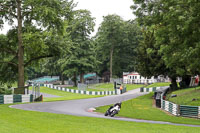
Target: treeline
(171, 38)
(52, 38)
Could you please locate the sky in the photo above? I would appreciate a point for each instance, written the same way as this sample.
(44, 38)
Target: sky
(100, 8)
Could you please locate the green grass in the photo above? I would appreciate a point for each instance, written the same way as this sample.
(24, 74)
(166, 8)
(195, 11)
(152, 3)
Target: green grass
(133, 86)
(64, 95)
(19, 121)
(142, 108)
(104, 86)
(158, 84)
(75, 88)
(108, 87)
(98, 87)
(185, 96)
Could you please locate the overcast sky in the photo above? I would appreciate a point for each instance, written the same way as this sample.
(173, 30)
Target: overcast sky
(100, 8)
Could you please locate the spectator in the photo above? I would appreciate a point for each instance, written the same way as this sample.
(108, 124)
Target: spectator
(121, 88)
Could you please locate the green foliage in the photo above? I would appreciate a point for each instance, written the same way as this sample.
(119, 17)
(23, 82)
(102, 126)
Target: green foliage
(175, 35)
(116, 41)
(149, 61)
(8, 57)
(80, 56)
(5, 91)
(43, 13)
(43, 23)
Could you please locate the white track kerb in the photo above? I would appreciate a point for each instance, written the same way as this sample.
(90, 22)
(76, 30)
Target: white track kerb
(81, 91)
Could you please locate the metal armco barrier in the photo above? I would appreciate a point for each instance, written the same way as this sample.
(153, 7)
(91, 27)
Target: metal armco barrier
(189, 111)
(9, 99)
(175, 109)
(169, 107)
(1, 99)
(181, 110)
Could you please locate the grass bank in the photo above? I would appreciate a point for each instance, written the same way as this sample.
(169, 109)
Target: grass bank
(158, 84)
(189, 96)
(19, 121)
(63, 95)
(108, 87)
(142, 108)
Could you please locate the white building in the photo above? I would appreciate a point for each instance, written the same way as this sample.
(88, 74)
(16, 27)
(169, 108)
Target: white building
(136, 78)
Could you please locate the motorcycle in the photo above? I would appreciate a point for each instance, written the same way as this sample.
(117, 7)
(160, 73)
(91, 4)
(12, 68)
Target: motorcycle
(113, 110)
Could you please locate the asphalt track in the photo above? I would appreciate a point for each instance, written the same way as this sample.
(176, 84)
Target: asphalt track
(84, 107)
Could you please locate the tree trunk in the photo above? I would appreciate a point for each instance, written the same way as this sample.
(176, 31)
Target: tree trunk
(62, 79)
(173, 85)
(82, 77)
(20, 89)
(111, 61)
(74, 79)
(185, 81)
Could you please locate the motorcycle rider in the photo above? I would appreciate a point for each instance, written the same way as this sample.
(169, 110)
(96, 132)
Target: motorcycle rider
(113, 109)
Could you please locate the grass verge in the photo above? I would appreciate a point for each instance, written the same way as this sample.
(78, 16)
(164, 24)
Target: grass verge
(19, 121)
(63, 95)
(190, 96)
(142, 108)
(158, 84)
(108, 87)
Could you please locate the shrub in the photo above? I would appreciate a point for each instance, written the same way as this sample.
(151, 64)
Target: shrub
(5, 91)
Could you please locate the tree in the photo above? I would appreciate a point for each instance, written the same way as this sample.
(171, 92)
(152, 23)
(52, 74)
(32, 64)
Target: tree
(149, 60)
(126, 57)
(52, 66)
(34, 20)
(8, 59)
(175, 31)
(108, 36)
(80, 58)
(116, 41)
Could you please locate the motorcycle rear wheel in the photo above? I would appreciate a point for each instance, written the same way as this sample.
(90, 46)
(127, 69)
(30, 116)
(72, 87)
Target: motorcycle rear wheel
(106, 114)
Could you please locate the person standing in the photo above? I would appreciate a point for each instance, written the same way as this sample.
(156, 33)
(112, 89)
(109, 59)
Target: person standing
(121, 88)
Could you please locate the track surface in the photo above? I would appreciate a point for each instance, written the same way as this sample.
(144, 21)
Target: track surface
(83, 107)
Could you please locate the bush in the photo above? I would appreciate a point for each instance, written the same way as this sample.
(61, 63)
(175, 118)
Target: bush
(5, 91)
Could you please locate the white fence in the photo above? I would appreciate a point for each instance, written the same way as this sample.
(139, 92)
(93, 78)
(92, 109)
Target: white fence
(139, 81)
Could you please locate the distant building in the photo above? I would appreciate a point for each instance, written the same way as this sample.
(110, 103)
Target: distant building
(136, 78)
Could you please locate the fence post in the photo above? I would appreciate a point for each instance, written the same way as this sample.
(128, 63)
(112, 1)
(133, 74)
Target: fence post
(199, 112)
(178, 110)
